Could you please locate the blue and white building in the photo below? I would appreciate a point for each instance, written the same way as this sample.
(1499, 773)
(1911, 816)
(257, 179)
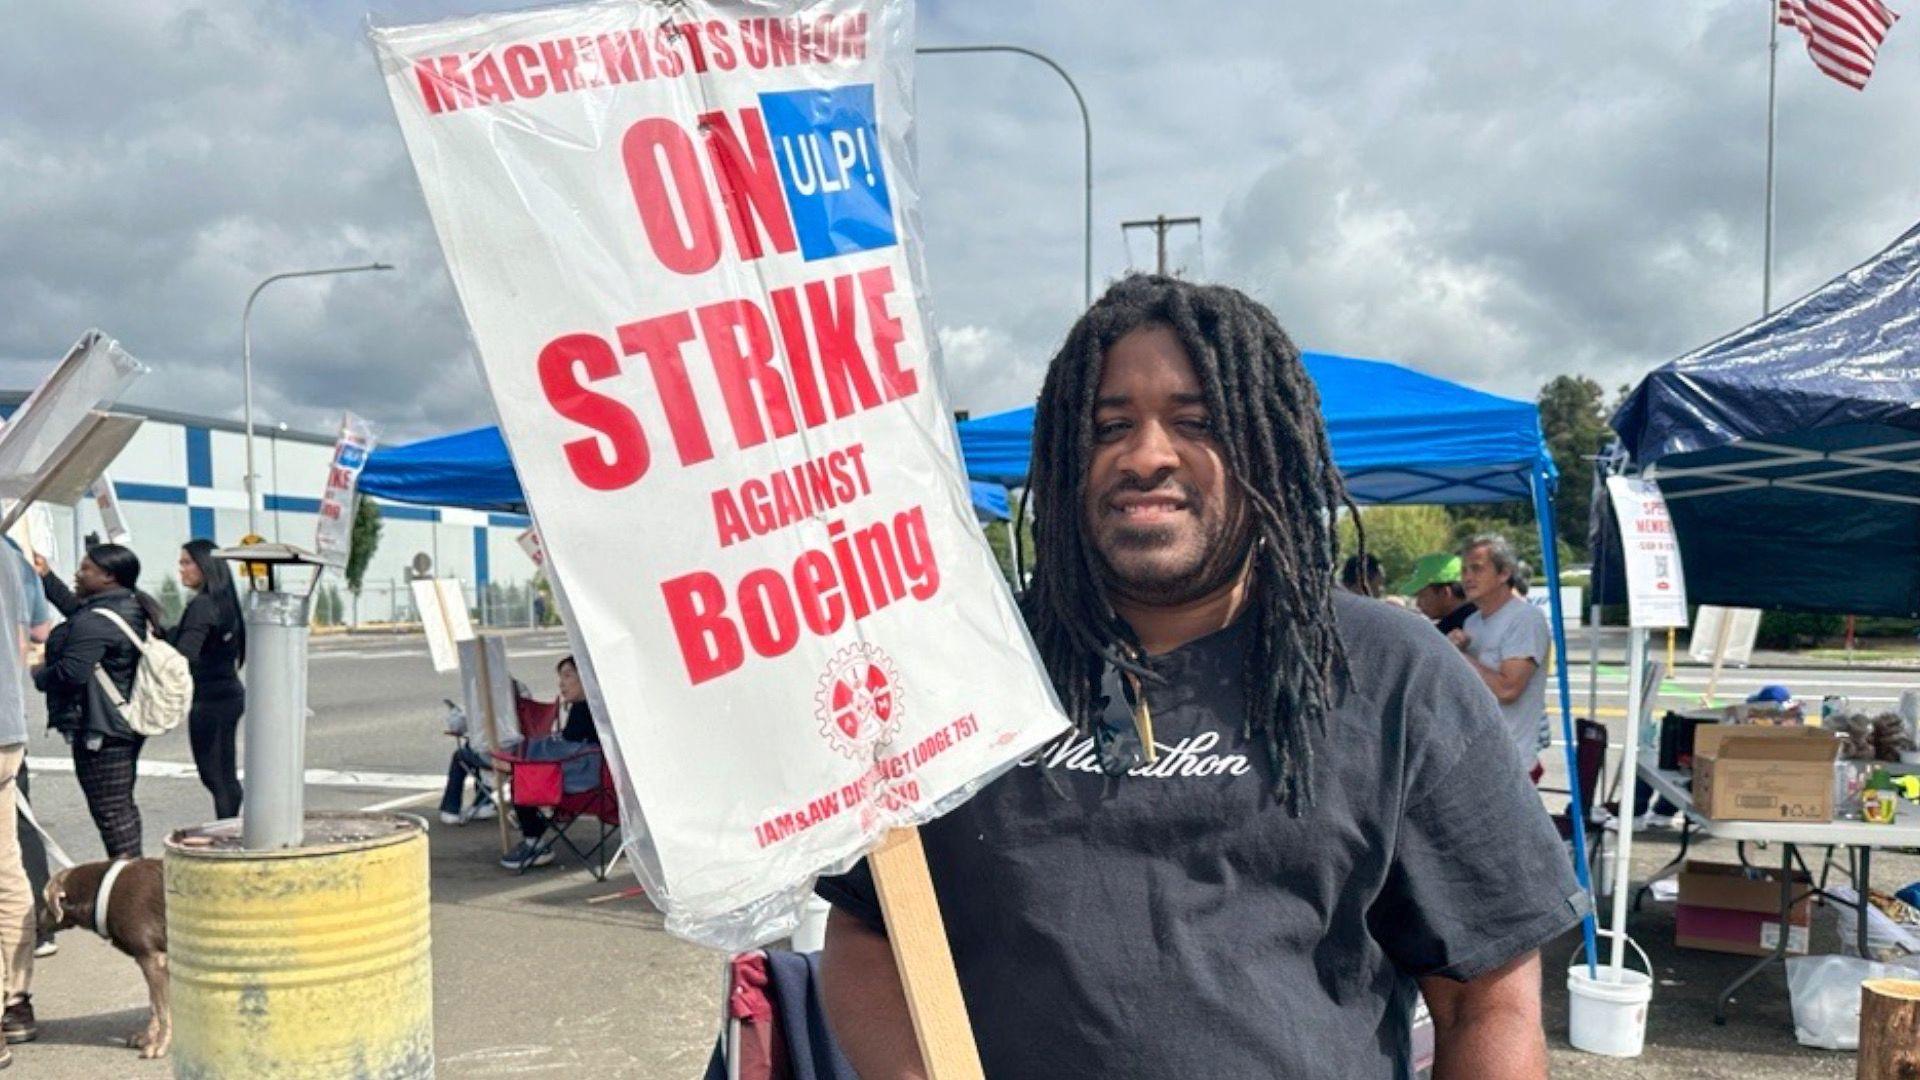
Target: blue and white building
(183, 476)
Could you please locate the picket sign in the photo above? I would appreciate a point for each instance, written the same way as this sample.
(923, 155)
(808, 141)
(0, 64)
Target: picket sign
(685, 237)
(333, 532)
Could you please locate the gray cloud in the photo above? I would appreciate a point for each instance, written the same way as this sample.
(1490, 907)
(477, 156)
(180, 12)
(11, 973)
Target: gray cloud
(1490, 192)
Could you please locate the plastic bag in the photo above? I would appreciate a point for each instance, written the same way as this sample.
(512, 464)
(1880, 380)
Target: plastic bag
(1886, 939)
(1826, 997)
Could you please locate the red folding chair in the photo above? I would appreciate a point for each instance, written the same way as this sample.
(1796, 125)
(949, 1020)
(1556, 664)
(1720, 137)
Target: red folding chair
(538, 785)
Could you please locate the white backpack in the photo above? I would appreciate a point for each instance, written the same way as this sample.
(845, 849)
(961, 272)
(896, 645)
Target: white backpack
(162, 684)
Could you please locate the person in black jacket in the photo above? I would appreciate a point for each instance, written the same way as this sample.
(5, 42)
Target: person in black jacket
(106, 752)
(212, 635)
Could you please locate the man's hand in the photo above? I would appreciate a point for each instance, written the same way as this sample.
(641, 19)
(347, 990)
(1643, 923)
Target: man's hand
(40, 564)
(866, 1007)
(1460, 639)
(1489, 1028)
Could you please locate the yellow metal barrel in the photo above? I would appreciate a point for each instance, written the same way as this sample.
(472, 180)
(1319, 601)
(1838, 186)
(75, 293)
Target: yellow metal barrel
(308, 962)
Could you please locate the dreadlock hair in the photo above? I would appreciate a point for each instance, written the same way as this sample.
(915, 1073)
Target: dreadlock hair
(1266, 415)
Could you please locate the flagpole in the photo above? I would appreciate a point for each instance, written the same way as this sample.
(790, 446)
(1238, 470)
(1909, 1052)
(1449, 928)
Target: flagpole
(1773, 59)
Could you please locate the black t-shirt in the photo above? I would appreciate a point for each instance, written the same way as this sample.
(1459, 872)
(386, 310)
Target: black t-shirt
(579, 726)
(1178, 922)
(1455, 619)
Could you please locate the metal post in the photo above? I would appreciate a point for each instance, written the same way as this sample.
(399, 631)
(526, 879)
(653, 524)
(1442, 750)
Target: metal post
(1773, 65)
(1086, 148)
(246, 373)
(276, 723)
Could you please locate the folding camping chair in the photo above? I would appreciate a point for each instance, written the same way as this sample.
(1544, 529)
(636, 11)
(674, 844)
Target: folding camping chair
(539, 785)
(1590, 755)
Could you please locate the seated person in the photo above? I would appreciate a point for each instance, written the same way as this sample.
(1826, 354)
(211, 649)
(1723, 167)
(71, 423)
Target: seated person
(473, 761)
(577, 745)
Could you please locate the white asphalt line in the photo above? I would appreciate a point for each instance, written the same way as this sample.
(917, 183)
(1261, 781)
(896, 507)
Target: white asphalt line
(395, 804)
(184, 770)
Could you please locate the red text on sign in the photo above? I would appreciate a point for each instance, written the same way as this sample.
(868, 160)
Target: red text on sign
(769, 609)
(831, 350)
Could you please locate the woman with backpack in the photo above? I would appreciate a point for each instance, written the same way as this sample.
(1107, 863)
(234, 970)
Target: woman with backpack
(212, 635)
(106, 750)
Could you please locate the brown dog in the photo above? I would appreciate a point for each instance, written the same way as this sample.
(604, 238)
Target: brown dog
(135, 922)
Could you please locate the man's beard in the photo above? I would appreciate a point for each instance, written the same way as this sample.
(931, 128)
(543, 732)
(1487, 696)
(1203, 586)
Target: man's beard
(1138, 565)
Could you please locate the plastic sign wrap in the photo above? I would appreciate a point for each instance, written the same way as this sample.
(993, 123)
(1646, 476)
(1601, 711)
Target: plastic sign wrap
(93, 374)
(333, 535)
(686, 241)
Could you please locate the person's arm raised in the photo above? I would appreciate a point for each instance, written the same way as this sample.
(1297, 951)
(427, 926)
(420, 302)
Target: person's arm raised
(866, 1006)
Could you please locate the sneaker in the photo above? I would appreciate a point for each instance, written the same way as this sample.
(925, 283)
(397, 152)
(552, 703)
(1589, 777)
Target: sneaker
(447, 818)
(483, 811)
(17, 1022)
(47, 947)
(526, 856)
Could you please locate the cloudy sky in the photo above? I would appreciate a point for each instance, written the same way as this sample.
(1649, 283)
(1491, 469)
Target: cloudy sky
(1491, 192)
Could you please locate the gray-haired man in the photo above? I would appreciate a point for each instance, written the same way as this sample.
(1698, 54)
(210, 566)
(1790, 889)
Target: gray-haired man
(1506, 640)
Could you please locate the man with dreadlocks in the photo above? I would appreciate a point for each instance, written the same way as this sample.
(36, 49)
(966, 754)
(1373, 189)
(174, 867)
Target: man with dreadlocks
(1283, 806)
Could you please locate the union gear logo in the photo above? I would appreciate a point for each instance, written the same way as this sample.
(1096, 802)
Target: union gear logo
(859, 700)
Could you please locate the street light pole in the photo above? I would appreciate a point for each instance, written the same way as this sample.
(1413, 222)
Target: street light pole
(246, 368)
(1086, 147)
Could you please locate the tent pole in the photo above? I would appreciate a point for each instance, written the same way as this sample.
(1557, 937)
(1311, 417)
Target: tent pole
(1576, 805)
(1013, 537)
(1623, 870)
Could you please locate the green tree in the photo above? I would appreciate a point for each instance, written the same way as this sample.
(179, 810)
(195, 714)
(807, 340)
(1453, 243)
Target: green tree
(366, 540)
(1399, 535)
(171, 602)
(1573, 418)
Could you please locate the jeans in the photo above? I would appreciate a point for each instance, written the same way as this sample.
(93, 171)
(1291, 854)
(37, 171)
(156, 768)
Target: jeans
(464, 763)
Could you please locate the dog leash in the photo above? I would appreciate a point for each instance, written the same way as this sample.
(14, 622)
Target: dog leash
(100, 898)
(53, 846)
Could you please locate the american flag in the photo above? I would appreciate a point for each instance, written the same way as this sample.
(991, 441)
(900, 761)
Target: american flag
(1843, 36)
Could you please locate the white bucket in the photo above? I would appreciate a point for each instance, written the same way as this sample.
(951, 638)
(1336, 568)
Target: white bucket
(1606, 1016)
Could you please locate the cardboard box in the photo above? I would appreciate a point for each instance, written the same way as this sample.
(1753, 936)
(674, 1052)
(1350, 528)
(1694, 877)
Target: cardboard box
(1745, 773)
(1730, 909)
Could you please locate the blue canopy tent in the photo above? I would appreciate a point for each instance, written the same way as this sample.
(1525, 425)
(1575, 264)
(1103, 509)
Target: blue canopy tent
(471, 469)
(1790, 449)
(1399, 436)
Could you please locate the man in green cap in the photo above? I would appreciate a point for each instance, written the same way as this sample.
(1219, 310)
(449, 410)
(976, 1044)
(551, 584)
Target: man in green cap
(1435, 588)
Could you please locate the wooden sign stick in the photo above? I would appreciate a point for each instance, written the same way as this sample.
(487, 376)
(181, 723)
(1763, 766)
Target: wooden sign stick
(920, 951)
(493, 737)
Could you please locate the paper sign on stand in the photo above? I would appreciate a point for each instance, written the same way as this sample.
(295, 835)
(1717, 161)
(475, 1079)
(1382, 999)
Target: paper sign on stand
(486, 694)
(1656, 597)
(443, 617)
(1656, 584)
(333, 535)
(689, 256)
(1724, 634)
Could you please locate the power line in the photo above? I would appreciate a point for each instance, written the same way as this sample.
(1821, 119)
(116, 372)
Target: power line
(1160, 225)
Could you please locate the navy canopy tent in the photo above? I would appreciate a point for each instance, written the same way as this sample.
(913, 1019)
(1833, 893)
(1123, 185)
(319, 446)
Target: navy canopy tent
(1789, 450)
(471, 469)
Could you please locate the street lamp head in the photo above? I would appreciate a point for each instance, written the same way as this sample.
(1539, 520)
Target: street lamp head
(380, 266)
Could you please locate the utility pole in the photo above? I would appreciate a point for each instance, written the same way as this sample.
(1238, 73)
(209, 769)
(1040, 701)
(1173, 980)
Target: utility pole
(1159, 225)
